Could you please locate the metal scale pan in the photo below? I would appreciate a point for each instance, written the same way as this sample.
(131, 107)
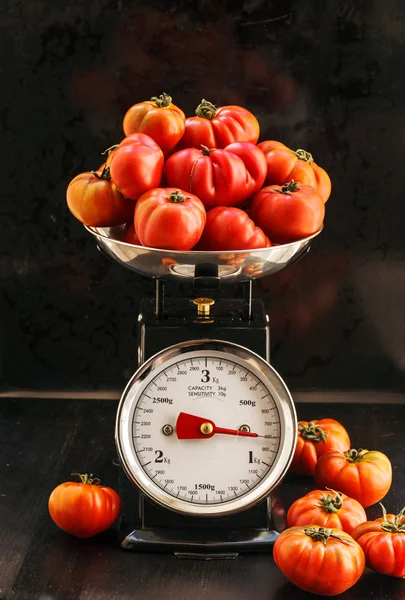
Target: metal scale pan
(172, 265)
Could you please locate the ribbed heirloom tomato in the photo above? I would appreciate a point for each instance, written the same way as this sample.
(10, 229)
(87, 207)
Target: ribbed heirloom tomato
(326, 509)
(84, 508)
(218, 127)
(169, 218)
(314, 439)
(361, 474)
(288, 213)
(383, 543)
(284, 164)
(226, 177)
(95, 201)
(319, 560)
(159, 118)
(229, 228)
(136, 165)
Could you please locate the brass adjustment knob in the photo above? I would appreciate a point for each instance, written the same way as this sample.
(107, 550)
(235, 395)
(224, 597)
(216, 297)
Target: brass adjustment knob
(206, 428)
(203, 306)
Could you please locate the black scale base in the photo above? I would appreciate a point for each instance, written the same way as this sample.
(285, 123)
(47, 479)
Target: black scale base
(153, 528)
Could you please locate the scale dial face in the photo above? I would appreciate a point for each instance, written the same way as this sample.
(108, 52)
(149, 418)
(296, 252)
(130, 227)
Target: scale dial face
(206, 428)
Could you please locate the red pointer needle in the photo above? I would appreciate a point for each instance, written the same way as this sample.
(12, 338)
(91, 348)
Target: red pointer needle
(191, 427)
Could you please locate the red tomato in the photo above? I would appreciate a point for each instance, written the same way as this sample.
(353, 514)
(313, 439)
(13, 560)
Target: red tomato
(159, 118)
(363, 475)
(288, 213)
(331, 509)
(230, 228)
(136, 165)
(130, 236)
(218, 127)
(314, 439)
(169, 218)
(383, 543)
(225, 177)
(95, 201)
(319, 560)
(84, 508)
(284, 164)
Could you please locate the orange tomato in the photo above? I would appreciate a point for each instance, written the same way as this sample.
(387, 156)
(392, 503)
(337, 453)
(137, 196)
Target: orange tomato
(284, 164)
(84, 508)
(159, 118)
(361, 474)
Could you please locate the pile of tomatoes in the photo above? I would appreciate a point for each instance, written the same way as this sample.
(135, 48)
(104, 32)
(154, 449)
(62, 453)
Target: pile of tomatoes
(201, 183)
(328, 540)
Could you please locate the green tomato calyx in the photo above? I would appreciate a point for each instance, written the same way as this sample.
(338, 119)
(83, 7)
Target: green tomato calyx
(331, 504)
(312, 432)
(162, 101)
(397, 525)
(206, 110)
(88, 479)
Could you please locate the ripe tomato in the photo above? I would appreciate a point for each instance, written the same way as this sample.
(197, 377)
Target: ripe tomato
(95, 201)
(169, 218)
(136, 165)
(284, 164)
(383, 543)
(218, 127)
(361, 474)
(319, 560)
(225, 177)
(331, 509)
(84, 508)
(314, 439)
(130, 236)
(288, 213)
(230, 228)
(159, 118)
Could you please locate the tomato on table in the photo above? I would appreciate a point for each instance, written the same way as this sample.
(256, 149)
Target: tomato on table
(288, 213)
(95, 201)
(169, 218)
(136, 165)
(324, 561)
(226, 177)
(361, 474)
(159, 118)
(84, 508)
(229, 228)
(283, 165)
(383, 543)
(327, 509)
(314, 439)
(218, 127)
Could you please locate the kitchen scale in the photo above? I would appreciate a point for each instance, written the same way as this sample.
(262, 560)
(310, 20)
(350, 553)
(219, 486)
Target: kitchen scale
(206, 428)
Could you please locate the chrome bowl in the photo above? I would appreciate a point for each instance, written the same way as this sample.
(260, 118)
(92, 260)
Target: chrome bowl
(233, 266)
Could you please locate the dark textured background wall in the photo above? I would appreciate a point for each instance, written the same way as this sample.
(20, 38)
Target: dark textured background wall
(326, 76)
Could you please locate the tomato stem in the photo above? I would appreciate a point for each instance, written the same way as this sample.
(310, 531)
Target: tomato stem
(177, 197)
(205, 150)
(162, 101)
(312, 432)
(88, 479)
(105, 174)
(110, 149)
(290, 187)
(206, 110)
(304, 155)
(322, 534)
(331, 504)
(354, 456)
(395, 526)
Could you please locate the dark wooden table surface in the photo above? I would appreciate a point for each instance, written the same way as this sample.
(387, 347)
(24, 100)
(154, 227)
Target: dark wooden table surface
(43, 441)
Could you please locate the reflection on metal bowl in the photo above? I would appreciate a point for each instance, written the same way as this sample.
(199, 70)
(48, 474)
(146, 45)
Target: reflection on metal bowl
(237, 265)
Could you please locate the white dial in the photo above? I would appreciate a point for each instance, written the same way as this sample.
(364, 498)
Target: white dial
(206, 428)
